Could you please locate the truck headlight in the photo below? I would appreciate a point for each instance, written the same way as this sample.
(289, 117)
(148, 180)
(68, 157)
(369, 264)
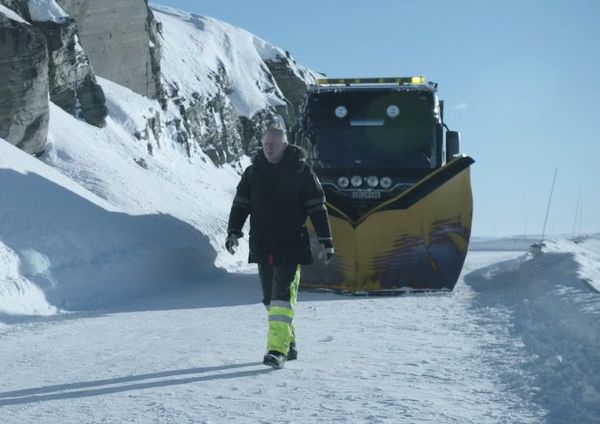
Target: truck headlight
(386, 182)
(393, 111)
(372, 181)
(343, 182)
(356, 181)
(341, 112)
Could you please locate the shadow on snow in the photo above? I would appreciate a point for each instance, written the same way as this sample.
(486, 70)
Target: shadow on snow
(84, 257)
(92, 261)
(129, 383)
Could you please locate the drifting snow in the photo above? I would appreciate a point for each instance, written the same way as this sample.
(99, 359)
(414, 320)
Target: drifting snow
(18, 295)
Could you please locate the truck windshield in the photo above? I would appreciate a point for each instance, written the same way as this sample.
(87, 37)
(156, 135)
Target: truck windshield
(373, 128)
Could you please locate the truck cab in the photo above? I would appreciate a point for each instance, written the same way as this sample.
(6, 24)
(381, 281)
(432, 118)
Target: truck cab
(380, 144)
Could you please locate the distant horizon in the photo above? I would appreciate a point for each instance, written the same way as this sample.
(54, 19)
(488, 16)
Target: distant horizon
(561, 236)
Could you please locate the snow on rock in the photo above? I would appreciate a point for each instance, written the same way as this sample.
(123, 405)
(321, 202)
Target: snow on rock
(139, 179)
(202, 54)
(271, 53)
(46, 10)
(266, 50)
(12, 15)
(24, 90)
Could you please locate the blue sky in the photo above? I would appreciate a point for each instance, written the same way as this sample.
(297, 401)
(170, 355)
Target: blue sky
(520, 80)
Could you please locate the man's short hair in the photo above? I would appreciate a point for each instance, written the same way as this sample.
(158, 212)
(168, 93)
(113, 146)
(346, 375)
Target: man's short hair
(275, 132)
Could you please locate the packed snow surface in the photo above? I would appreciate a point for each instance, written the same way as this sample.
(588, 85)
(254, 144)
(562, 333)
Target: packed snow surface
(503, 347)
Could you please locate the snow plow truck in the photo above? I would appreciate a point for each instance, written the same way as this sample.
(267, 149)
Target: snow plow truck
(398, 189)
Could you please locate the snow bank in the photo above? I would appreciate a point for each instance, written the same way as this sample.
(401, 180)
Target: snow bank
(18, 295)
(80, 251)
(585, 252)
(112, 163)
(503, 244)
(552, 304)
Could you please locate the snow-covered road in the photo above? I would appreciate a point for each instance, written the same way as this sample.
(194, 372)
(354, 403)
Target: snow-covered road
(195, 357)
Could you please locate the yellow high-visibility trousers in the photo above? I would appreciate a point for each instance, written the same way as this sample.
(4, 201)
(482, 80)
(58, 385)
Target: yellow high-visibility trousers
(280, 290)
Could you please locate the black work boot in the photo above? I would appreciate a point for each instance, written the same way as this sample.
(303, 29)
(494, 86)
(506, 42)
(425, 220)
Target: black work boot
(293, 353)
(274, 359)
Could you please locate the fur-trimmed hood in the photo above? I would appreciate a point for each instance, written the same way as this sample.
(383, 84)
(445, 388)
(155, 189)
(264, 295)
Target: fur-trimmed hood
(292, 153)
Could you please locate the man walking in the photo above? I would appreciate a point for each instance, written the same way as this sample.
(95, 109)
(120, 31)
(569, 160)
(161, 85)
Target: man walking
(279, 191)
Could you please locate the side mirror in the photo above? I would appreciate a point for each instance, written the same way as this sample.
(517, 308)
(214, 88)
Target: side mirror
(452, 144)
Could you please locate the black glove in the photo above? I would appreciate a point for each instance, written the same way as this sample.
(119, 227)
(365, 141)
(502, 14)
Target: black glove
(231, 242)
(326, 251)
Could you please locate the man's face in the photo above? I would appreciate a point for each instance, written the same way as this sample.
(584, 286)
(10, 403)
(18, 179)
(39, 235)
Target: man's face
(273, 148)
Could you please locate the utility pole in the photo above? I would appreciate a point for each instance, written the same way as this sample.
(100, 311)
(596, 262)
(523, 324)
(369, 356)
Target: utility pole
(548, 208)
(576, 215)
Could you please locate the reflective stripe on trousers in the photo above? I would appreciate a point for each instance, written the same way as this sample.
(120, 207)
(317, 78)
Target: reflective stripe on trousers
(281, 316)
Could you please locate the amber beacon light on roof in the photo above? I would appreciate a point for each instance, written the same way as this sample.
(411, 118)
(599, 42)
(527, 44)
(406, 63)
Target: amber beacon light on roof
(385, 80)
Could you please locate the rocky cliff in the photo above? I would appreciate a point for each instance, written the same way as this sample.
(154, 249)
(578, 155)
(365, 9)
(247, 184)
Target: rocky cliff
(225, 83)
(218, 90)
(43, 40)
(24, 83)
(73, 84)
(292, 84)
(117, 37)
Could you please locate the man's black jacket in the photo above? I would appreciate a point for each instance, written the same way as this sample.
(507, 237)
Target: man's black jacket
(278, 199)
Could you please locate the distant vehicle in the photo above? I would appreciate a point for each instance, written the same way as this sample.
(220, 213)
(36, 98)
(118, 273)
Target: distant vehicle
(398, 190)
